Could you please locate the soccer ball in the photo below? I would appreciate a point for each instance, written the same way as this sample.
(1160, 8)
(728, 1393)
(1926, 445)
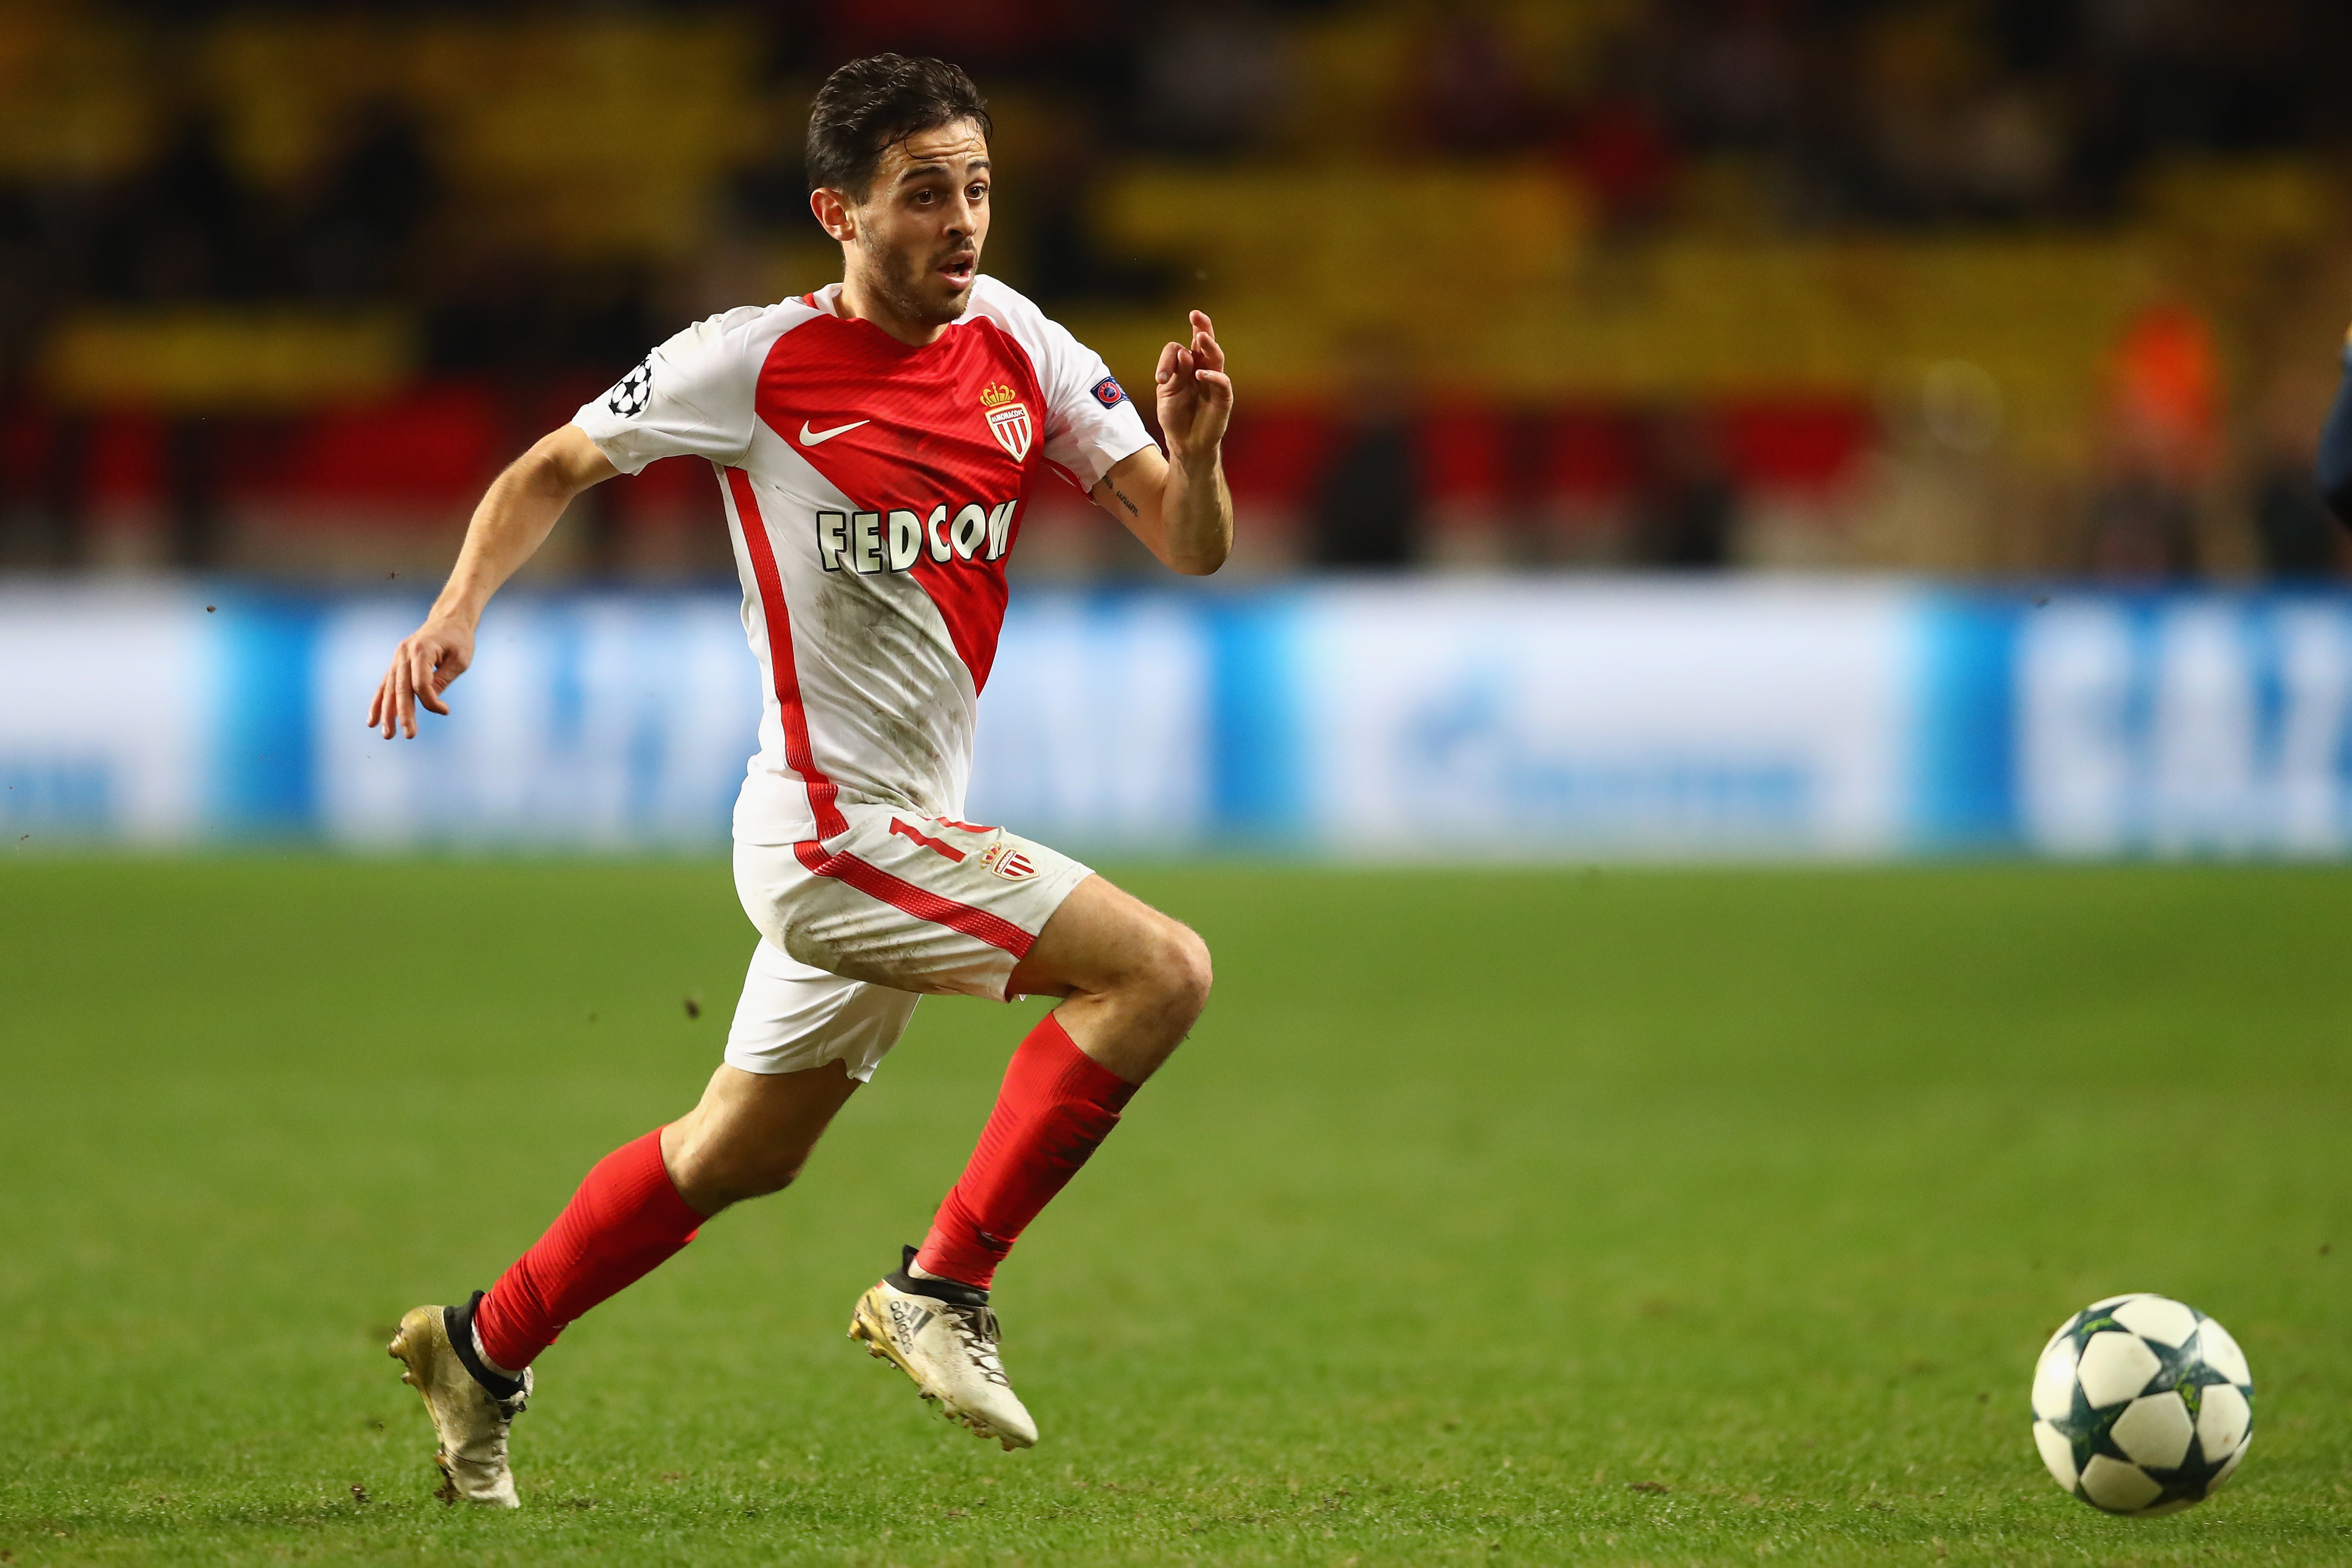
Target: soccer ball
(2142, 1404)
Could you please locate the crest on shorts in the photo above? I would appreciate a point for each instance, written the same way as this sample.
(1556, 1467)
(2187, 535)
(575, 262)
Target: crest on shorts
(1010, 425)
(1009, 863)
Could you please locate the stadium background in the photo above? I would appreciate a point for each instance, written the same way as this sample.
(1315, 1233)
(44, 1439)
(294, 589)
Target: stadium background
(1779, 431)
(1831, 428)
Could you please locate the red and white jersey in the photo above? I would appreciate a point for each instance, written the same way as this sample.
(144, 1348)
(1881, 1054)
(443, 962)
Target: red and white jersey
(874, 492)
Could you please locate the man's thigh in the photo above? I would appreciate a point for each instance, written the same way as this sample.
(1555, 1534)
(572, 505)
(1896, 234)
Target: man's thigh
(1101, 937)
(918, 903)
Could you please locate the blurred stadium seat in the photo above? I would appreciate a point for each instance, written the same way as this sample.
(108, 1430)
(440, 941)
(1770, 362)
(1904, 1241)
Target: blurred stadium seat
(1554, 222)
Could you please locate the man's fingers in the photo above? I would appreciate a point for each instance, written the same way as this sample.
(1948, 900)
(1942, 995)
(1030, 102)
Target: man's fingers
(419, 684)
(427, 672)
(1220, 384)
(1166, 370)
(402, 717)
(384, 713)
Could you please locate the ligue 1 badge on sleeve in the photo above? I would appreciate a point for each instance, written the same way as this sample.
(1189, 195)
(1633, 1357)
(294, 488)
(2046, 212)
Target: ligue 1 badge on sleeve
(634, 390)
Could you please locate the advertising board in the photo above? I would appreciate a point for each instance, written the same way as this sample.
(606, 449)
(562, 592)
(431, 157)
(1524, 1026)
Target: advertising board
(1423, 719)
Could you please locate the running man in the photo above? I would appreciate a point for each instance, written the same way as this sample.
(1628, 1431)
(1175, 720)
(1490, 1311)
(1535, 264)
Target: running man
(877, 443)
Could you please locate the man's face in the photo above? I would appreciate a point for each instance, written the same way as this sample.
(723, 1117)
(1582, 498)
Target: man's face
(920, 228)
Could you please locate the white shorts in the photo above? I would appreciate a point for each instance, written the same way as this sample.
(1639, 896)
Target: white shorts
(854, 930)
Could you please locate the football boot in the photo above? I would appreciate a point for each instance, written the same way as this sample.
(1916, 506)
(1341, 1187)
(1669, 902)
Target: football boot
(471, 1405)
(944, 1336)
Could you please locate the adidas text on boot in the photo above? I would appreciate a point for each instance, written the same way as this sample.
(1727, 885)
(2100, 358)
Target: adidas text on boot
(944, 1336)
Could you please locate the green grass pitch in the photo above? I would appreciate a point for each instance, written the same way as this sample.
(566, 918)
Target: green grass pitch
(1489, 1218)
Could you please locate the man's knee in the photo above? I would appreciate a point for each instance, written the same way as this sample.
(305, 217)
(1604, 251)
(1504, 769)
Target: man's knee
(1178, 969)
(761, 1177)
(734, 1177)
(718, 1166)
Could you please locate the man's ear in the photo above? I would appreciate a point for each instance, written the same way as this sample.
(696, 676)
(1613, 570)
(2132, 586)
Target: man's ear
(834, 214)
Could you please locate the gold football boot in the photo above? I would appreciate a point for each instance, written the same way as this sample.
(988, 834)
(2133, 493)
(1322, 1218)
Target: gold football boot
(468, 1417)
(944, 1336)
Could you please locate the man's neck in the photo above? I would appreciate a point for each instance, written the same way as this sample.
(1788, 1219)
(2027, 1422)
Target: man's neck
(859, 303)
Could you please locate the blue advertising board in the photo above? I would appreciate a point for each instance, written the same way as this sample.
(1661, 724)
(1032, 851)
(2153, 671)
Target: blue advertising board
(1425, 719)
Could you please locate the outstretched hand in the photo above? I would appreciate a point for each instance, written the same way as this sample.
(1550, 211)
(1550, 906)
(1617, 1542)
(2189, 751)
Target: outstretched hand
(423, 665)
(1196, 396)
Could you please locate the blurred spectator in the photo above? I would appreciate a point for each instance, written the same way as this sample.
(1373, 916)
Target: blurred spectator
(2296, 536)
(1617, 148)
(1687, 509)
(2164, 401)
(1067, 261)
(183, 229)
(1474, 94)
(41, 458)
(2143, 529)
(1366, 509)
(1740, 74)
(1947, 134)
(1214, 77)
(191, 463)
(354, 239)
(518, 317)
(1618, 141)
(976, 34)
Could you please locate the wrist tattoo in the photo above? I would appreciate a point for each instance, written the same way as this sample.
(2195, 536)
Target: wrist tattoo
(1125, 502)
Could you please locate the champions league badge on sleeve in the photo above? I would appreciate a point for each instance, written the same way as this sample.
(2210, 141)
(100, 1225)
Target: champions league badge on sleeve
(634, 390)
(1110, 392)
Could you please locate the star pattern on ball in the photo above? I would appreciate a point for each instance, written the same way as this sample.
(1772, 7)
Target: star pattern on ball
(2142, 1404)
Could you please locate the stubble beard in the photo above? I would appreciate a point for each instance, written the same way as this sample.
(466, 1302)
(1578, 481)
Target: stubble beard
(897, 281)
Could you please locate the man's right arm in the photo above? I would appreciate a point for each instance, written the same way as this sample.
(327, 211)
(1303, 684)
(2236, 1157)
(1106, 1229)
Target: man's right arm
(513, 520)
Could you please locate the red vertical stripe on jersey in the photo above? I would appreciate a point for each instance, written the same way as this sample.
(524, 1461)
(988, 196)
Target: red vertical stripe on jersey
(920, 902)
(797, 755)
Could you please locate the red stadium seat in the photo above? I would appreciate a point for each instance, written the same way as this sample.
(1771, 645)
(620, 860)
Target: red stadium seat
(1467, 483)
(1587, 471)
(1806, 447)
(1275, 457)
(1587, 454)
(429, 450)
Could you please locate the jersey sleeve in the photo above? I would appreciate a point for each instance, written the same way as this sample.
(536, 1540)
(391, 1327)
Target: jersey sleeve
(692, 396)
(1090, 424)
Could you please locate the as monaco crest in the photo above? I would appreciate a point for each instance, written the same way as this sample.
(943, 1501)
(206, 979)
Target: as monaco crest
(1010, 424)
(1009, 863)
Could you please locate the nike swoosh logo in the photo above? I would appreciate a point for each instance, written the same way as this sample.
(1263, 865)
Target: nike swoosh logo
(818, 437)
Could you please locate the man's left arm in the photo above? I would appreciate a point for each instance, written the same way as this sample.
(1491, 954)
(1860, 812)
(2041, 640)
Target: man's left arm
(1177, 503)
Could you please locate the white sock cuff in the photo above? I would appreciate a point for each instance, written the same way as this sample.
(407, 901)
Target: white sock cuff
(484, 1356)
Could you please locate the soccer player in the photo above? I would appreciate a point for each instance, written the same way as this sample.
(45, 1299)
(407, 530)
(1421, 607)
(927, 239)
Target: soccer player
(876, 442)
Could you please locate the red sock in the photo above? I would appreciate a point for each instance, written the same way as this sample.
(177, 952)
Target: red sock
(625, 1219)
(1057, 1105)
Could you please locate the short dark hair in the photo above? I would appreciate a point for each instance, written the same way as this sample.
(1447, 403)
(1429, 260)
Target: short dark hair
(868, 105)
